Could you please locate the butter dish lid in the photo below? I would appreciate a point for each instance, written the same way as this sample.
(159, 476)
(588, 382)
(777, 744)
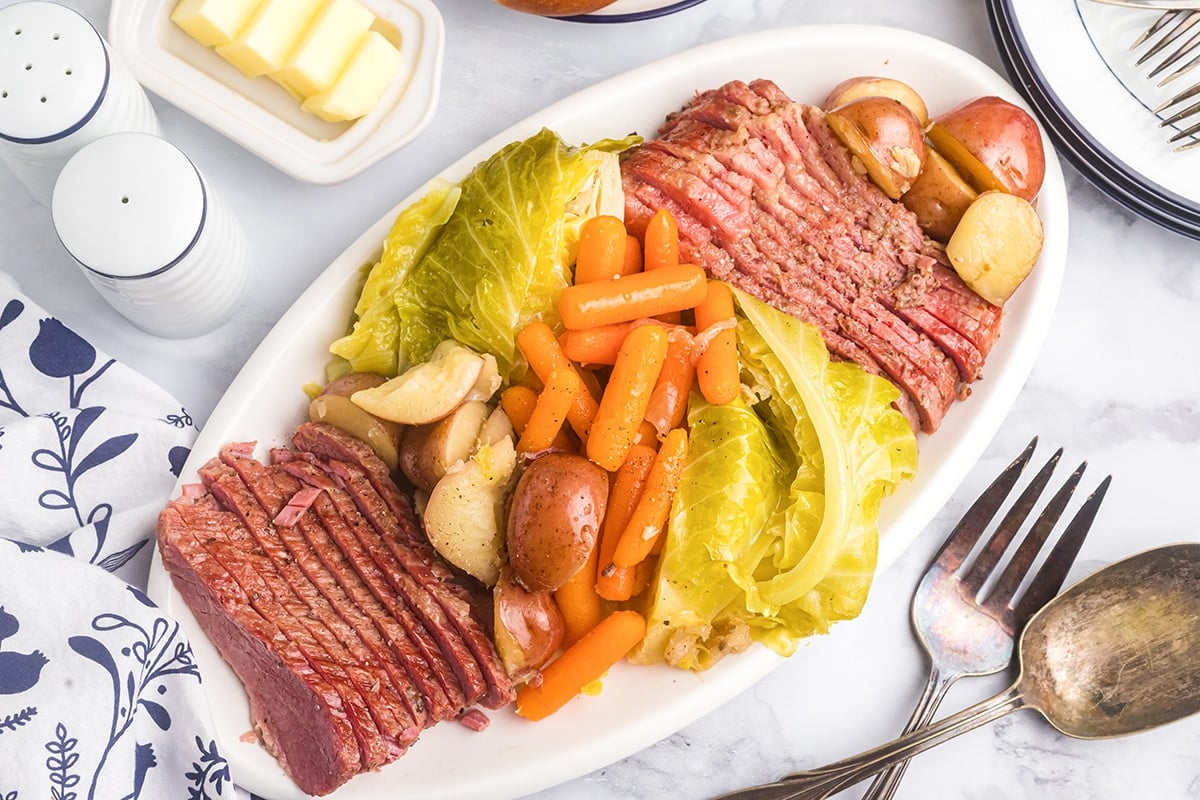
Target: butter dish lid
(261, 115)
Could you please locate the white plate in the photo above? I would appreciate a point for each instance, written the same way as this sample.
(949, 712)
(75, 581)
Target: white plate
(1100, 103)
(639, 705)
(260, 115)
(634, 10)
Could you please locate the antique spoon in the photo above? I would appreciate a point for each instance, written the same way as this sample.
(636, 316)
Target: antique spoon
(1113, 655)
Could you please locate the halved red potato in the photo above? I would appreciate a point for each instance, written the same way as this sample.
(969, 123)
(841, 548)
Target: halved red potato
(995, 144)
(939, 197)
(996, 245)
(885, 137)
(862, 86)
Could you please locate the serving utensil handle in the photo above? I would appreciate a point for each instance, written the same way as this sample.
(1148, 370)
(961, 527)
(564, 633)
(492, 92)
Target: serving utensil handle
(825, 781)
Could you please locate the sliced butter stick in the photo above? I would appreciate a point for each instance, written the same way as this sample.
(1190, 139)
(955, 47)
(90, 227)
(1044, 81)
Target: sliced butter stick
(371, 69)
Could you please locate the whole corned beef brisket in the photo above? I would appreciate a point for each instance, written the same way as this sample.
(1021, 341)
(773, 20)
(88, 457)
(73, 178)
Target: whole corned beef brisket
(768, 199)
(313, 579)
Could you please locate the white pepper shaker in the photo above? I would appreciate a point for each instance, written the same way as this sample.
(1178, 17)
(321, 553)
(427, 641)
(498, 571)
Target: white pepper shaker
(151, 235)
(60, 88)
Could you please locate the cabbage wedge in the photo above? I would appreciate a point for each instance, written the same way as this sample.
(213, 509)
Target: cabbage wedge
(773, 532)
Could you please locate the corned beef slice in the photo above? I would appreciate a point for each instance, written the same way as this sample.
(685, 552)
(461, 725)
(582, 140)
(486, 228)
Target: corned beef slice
(348, 631)
(767, 198)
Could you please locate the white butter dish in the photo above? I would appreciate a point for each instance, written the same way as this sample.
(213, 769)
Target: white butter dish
(261, 115)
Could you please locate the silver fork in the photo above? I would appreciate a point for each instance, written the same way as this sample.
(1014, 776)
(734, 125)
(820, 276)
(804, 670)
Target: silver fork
(964, 615)
(1177, 33)
(966, 632)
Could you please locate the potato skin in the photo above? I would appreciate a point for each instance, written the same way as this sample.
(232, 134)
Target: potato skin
(939, 197)
(529, 627)
(885, 136)
(995, 144)
(352, 382)
(862, 86)
(554, 519)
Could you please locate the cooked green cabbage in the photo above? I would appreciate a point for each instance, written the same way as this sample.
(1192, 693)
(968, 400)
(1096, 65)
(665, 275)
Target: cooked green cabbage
(774, 528)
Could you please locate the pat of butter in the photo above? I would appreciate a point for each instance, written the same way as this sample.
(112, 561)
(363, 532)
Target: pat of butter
(371, 69)
(213, 22)
(270, 36)
(326, 47)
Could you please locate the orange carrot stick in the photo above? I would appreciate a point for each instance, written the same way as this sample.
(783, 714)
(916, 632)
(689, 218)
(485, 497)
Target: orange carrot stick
(518, 402)
(601, 254)
(668, 401)
(630, 297)
(717, 367)
(613, 582)
(578, 602)
(660, 242)
(595, 345)
(550, 411)
(650, 515)
(623, 404)
(633, 255)
(647, 434)
(581, 663)
(544, 354)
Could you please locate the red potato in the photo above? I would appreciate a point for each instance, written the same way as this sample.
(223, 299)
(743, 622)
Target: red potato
(862, 86)
(555, 8)
(995, 144)
(885, 138)
(554, 518)
(939, 197)
(529, 626)
(996, 244)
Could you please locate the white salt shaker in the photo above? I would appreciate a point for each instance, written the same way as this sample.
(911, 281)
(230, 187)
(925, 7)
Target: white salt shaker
(150, 234)
(60, 88)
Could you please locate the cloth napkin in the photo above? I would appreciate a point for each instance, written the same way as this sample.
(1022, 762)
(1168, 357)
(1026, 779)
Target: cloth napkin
(99, 695)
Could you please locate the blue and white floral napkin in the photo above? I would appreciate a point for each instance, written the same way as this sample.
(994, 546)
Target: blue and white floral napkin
(99, 695)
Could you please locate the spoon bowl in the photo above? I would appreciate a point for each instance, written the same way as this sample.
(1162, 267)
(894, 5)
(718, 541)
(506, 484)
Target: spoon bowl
(1116, 653)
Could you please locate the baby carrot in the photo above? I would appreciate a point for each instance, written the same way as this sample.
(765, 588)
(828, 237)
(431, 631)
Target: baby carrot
(578, 602)
(623, 404)
(630, 297)
(717, 367)
(650, 515)
(542, 351)
(668, 401)
(518, 402)
(595, 345)
(550, 410)
(601, 255)
(613, 582)
(633, 255)
(660, 242)
(581, 663)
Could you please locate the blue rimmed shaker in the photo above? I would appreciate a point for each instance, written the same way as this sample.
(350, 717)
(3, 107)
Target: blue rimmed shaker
(60, 88)
(151, 235)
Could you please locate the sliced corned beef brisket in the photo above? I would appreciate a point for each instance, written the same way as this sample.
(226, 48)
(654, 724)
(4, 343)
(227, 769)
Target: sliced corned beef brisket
(349, 632)
(767, 198)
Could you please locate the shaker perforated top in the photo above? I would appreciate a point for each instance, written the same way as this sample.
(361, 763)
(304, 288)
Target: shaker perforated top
(54, 70)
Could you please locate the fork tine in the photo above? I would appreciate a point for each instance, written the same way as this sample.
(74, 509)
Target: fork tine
(1185, 23)
(1017, 568)
(1164, 19)
(1186, 94)
(1178, 115)
(987, 559)
(1053, 573)
(1184, 49)
(966, 533)
(1184, 134)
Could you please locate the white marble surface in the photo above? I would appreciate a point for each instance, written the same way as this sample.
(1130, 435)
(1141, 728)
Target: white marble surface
(1115, 384)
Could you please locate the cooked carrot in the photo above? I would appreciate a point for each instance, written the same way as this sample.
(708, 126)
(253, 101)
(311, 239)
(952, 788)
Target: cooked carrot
(601, 255)
(668, 401)
(581, 663)
(630, 297)
(542, 351)
(643, 573)
(650, 515)
(646, 434)
(518, 402)
(623, 404)
(578, 602)
(717, 366)
(595, 345)
(660, 242)
(633, 255)
(613, 582)
(550, 410)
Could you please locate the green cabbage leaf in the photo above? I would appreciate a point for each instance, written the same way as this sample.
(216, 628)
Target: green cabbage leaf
(773, 531)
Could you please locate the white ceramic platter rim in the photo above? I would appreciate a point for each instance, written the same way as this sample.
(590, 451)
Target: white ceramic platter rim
(261, 116)
(515, 757)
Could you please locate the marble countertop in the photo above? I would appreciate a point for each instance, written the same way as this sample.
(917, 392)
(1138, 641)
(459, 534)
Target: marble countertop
(1128, 405)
